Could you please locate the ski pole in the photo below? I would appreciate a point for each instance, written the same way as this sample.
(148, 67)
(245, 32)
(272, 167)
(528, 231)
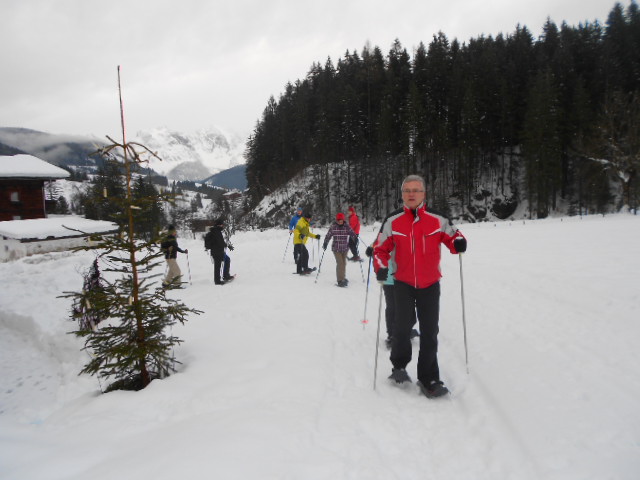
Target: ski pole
(189, 268)
(287, 247)
(313, 253)
(364, 320)
(464, 322)
(319, 266)
(361, 271)
(375, 368)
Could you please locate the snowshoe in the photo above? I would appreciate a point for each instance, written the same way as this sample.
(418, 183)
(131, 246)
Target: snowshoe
(342, 283)
(229, 278)
(435, 389)
(399, 375)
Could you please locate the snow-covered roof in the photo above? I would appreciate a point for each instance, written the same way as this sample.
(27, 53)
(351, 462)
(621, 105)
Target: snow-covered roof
(28, 166)
(43, 228)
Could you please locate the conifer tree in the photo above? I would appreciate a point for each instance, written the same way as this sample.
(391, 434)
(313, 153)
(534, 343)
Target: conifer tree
(134, 343)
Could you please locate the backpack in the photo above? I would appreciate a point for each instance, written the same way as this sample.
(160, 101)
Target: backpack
(208, 241)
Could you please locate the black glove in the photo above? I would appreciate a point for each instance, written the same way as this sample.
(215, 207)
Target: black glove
(230, 247)
(460, 244)
(318, 236)
(382, 274)
(369, 251)
(301, 236)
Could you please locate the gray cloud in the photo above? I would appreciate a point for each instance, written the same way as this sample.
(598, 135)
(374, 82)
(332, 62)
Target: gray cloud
(199, 63)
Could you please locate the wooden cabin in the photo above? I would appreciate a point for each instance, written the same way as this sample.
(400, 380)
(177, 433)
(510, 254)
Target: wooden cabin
(22, 179)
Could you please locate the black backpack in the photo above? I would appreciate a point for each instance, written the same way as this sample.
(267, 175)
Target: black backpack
(208, 241)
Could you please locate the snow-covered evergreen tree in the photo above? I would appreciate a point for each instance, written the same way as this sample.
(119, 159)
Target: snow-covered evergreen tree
(134, 343)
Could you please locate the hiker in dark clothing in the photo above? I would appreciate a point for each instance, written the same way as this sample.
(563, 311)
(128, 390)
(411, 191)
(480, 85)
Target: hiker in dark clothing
(214, 242)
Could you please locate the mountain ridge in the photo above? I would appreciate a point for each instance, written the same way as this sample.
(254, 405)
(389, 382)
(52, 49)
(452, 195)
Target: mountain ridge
(184, 156)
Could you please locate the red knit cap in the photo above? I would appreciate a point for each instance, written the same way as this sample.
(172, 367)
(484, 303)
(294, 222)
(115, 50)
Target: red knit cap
(339, 216)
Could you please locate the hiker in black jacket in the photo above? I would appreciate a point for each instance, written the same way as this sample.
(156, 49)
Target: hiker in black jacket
(214, 242)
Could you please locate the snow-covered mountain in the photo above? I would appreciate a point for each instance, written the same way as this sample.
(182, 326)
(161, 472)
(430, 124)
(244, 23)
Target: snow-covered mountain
(192, 156)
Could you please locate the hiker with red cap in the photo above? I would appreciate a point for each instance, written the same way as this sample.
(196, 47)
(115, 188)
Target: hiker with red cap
(354, 223)
(342, 234)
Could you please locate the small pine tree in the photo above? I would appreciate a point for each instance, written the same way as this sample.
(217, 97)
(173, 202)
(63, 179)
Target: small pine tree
(134, 343)
(134, 346)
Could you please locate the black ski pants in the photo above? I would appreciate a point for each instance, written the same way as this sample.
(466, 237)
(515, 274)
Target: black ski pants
(303, 259)
(218, 261)
(296, 252)
(353, 245)
(390, 308)
(426, 302)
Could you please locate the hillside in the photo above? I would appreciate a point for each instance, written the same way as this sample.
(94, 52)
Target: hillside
(276, 376)
(61, 150)
(234, 177)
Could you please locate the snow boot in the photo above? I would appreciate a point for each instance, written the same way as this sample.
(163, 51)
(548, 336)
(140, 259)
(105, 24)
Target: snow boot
(399, 375)
(435, 389)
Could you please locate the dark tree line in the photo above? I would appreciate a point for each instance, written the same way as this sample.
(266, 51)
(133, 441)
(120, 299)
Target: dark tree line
(553, 121)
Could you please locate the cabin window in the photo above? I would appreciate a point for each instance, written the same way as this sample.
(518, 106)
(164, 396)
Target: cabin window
(15, 197)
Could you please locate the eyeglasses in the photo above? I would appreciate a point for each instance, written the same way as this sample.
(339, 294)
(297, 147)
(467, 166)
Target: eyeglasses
(411, 190)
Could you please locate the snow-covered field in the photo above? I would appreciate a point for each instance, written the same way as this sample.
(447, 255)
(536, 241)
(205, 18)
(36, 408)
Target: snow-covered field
(277, 374)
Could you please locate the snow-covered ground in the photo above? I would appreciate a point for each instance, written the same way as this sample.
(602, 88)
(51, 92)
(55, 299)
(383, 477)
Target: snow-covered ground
(277, 374)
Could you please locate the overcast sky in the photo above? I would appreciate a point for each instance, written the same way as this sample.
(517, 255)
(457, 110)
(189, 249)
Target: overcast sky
(193, 64)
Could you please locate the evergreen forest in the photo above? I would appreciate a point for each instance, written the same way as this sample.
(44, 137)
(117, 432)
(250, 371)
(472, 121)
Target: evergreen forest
(496, 125)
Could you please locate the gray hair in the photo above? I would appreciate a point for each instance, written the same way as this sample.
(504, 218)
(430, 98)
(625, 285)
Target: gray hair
(415, 178)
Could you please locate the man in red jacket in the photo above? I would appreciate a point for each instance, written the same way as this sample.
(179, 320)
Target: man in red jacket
(411, 236)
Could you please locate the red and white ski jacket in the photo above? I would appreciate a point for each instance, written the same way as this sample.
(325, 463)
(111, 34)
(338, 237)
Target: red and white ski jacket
(413, 242)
